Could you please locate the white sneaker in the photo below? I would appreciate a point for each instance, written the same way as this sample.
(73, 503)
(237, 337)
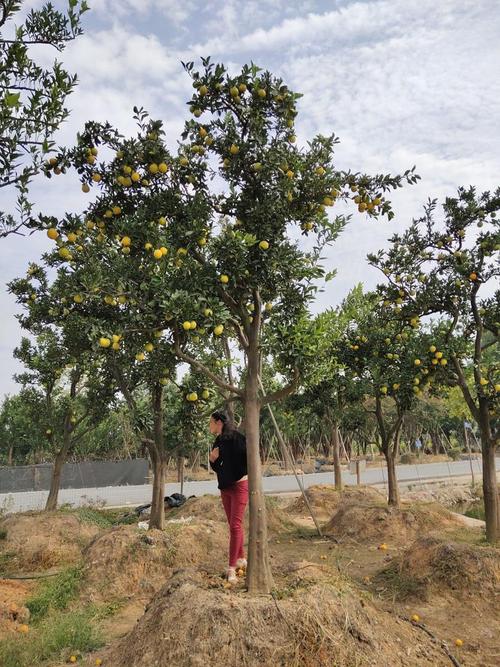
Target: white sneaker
(241, 563)
(231, 575)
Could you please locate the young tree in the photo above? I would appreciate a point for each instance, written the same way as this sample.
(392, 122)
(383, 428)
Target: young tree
(389, 362)
(32, 98)
(446, 270)
(252, 262)
(22, 428)
(75, 396)
(218, 261)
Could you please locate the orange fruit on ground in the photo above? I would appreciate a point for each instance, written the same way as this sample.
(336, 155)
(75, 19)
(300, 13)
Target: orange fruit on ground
(458, 642)
(415, 618)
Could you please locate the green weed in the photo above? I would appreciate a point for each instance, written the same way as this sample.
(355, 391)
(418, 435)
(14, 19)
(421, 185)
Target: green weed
(55, 593)
(61, 634)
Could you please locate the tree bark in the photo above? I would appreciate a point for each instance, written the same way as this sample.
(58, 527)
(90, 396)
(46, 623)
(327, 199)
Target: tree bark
(157, 516)
(259, 576)
(490, 485)
(336, 457)
(158, 459)
(59, 461)
(392, 480)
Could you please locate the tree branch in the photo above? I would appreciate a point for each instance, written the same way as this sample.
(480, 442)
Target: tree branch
(465, 389)
(284, 392)
(205, 370)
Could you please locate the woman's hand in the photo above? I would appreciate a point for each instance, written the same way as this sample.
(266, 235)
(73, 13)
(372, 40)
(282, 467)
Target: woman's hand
(214, 455)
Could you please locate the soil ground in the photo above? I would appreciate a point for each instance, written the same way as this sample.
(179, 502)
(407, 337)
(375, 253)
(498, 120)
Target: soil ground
(369, 573)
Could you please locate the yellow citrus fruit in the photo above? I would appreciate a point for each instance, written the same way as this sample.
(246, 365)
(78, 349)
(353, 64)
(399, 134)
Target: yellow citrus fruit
(234, 150)
(52, 233)
(163, 168)
(104, 342)
(415, 618)
(85, 187)
(149, 347)
(458, 642)
(205, 394)
(96, 177)
(224, 279)
(140, 356)
(126, 241)
(264, 245)
(78, 298)
(158, 254)
(186, 325)
(148, 246)
(164, 251)
(153, 168)
(115, 346)
(116, 210)
(218, 329)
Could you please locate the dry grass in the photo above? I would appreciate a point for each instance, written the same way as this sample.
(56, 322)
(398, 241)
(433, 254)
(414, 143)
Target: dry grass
(318, 623)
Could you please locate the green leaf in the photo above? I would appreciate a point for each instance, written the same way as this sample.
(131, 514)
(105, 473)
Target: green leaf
(12, 99)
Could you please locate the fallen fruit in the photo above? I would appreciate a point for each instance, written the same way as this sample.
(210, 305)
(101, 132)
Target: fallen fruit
(458, 642)
(415, 618)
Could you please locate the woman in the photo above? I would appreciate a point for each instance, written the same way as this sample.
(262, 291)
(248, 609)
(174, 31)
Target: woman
(228, 459)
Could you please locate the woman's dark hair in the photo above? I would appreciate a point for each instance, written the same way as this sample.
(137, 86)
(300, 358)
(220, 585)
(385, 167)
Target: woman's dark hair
(220, 416)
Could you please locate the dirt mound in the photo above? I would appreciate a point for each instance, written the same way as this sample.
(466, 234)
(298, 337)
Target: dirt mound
(191, 625)
(435, 566)
(324, 499)
(210, 507)
(365, 522)
(42, 540)
(127, 561)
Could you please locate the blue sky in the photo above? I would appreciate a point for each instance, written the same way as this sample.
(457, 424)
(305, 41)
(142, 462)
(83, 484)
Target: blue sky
(401, 82)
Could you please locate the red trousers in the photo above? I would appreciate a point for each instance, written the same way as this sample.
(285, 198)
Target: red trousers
(235, 499)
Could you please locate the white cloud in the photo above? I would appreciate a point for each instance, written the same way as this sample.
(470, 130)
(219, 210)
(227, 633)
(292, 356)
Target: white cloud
(402, 82)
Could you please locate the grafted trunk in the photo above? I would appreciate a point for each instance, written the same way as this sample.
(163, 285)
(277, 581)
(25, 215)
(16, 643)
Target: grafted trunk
(158, 460)
(259, 576)
(157, 517)
(59, 461)
(180, 472)
(490, 484)
(336, 457)
(392, 480)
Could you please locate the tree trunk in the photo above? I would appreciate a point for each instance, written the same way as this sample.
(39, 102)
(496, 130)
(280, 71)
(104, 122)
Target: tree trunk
(157, 517)
(59, 461)
(259, 576)
(490, 486)
(158, 459)
(392, 479)
(195, 467)
(180, 472)
(336, 457)
(10, 455)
